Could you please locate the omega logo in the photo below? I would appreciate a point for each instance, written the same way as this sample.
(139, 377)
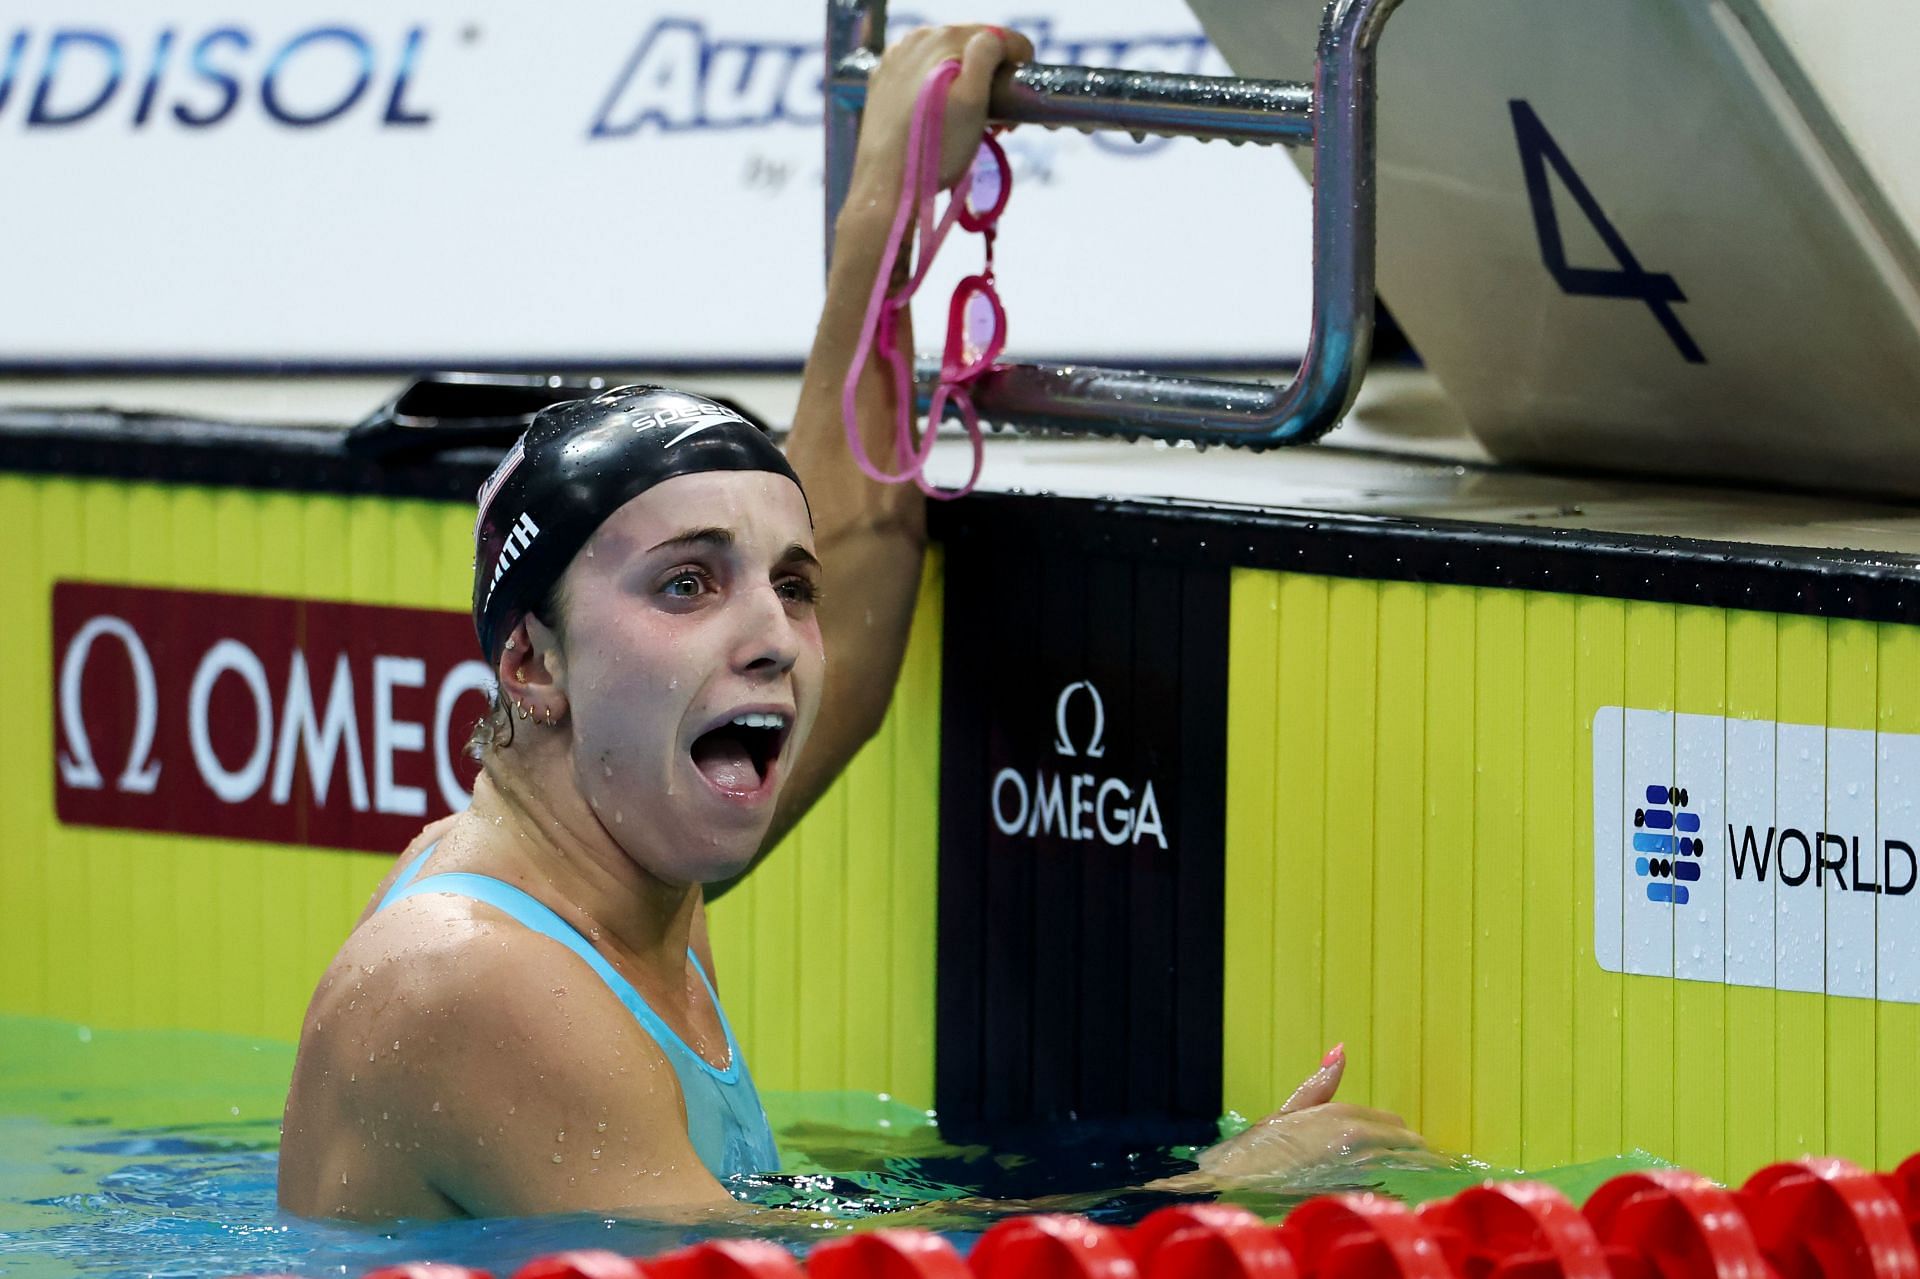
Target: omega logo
(78, 769)
(1063, 745)
(1081, 806)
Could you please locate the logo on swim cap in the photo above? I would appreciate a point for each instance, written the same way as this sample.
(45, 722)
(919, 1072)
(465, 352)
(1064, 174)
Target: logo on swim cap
(519, 538)
(491, 485)
(692, 418)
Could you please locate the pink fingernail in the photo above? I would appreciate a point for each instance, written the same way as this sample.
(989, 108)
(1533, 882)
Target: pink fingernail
(1334, 1054)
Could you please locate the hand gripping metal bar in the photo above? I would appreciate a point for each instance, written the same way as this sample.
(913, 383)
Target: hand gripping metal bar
(1335, 115)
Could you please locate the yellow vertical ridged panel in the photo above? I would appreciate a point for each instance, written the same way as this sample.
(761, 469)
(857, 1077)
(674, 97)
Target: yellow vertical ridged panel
(1753, 692)
(236, 549)
(1599, 996)
(866, 977)
(757, 928)
(912, 735)
(1499, 906)
(1800, 1022)
(197, 915)
(1352, 687)
(1491, 1024)
(1296, 1032)
(147, 534)
(1549, 924)
(24, 759)
(67, 961)
(1399, 827)
(105, 915)
(821, 856)
(1647, 1007)
(1248, 994)
(332, 883)
(1700, 1117)
(1275, 912)
(1896, 1026)
(283, 942)
(1853, 676)
(1447, 874)
(826, 952)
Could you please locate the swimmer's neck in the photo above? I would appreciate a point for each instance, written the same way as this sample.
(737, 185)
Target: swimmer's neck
(546, 839)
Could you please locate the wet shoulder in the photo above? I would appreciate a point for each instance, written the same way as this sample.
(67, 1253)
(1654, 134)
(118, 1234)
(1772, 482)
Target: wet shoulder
(471, 1050)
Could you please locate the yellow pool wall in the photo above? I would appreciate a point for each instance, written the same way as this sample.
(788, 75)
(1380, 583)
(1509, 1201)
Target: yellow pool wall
(1409, 850)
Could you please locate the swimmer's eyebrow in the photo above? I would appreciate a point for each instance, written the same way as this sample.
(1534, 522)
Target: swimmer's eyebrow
(717, 538)
(798, 554)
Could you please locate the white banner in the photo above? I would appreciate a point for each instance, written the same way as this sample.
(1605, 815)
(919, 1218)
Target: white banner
(462, 182)
(1756, 854)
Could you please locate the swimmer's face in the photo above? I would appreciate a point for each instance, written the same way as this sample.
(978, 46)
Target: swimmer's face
(692, 667)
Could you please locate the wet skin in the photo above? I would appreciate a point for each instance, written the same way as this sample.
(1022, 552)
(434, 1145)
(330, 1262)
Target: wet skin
(453, 1062)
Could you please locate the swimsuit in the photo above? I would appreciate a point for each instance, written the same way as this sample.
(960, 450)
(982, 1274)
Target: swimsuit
(725, 1121)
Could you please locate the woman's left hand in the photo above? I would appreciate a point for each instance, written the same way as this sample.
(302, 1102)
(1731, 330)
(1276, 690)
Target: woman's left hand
(1309, 1130)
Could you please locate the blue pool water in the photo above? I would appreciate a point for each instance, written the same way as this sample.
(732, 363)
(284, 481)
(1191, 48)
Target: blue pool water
(153, 1154)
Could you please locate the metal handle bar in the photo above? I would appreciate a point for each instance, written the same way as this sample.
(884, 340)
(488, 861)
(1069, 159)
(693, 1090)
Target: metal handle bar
(1336, 114)
(1186, 106)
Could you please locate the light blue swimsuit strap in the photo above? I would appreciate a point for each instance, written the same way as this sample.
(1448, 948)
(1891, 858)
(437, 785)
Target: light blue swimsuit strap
(406, 877)
(536, 915)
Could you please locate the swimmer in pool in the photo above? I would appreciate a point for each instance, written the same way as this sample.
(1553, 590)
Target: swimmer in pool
(526, 1018)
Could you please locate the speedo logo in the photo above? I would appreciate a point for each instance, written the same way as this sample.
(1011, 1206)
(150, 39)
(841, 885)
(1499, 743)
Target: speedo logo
(519, 538)
(691, 418)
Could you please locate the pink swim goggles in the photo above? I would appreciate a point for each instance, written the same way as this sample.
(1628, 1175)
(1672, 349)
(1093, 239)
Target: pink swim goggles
(976, 322)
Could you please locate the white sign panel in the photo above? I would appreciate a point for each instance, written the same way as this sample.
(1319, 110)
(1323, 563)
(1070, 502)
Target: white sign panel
(1625, 248)
(464, 182)
(1756, 854)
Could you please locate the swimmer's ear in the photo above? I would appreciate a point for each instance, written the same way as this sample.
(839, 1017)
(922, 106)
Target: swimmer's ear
(532, 670)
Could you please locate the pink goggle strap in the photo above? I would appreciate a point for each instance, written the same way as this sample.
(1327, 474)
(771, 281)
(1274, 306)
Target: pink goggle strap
(918, 186)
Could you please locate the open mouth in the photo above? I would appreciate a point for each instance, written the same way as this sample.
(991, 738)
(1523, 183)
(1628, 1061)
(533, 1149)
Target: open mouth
(737, 756)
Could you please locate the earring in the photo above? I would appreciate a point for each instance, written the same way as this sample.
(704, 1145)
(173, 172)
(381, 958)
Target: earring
(549, 717)
(523, 709)
(510, 645)
(521, 674)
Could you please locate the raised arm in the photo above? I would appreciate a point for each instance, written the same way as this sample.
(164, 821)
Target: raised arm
(871, 536)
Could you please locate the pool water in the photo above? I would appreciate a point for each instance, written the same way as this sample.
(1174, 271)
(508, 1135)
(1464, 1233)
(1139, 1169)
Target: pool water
(152, 1153)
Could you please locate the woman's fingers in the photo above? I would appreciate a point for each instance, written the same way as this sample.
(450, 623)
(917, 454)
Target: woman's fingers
(1318, 1088)
(1283, 1144)
(904, 68)
(984, 52)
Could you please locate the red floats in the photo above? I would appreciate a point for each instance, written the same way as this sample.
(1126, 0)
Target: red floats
(1515, 1230)
(1051, 1246)
(1826, 1219)
(1903, 1183)
(725, 1259)
(1673, 1225)
(1361, 1237)
(1208, 1241)
(1810, 1219)
(887, 1254)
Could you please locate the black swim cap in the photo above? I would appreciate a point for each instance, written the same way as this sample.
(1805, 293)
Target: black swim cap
(578, 463)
